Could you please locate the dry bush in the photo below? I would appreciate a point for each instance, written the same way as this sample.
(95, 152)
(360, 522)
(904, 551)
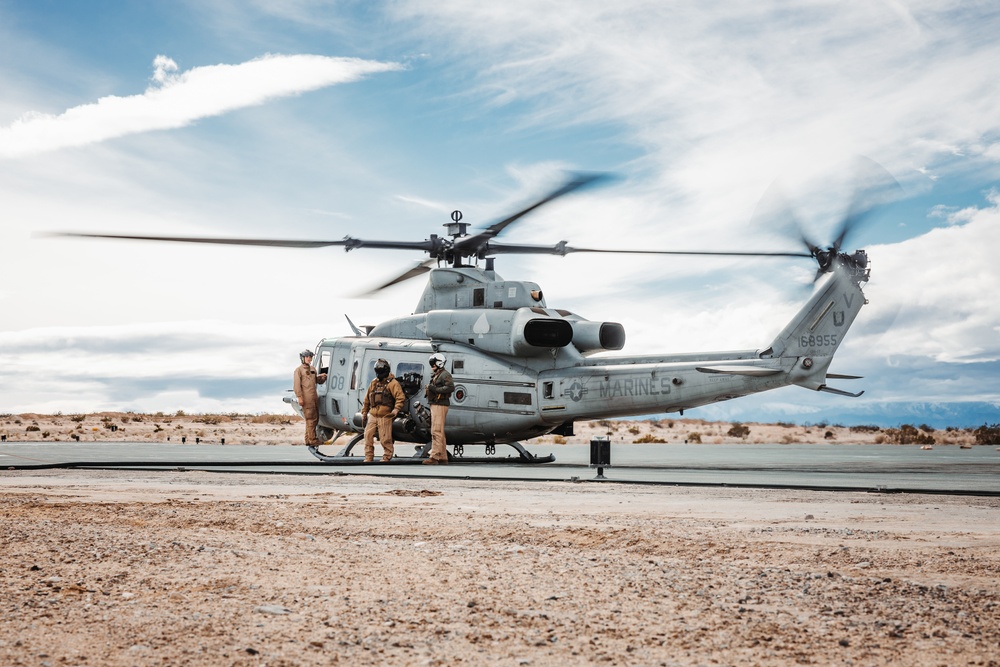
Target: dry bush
(274, 419)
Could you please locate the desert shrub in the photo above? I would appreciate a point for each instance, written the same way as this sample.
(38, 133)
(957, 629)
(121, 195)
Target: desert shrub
(634, 430)
(738, 431)
(212, 420)
(648, 438)
(865, 428)
(559, 440)
(987, 435)
(694, 436)
(789, 439)
(31, 429)
(271, 419)
(907, 434)
(77, 418)
(829, 435)
(45, 434)
(926, 429)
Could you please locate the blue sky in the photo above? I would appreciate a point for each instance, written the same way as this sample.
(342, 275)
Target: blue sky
(318, 119)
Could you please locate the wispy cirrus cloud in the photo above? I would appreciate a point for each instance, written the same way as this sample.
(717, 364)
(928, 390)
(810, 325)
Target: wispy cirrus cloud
(176, 99)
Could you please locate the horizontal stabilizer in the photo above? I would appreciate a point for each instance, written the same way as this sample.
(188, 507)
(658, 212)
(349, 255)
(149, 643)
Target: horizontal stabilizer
(840, 392)
(752, 371)
(838, 376)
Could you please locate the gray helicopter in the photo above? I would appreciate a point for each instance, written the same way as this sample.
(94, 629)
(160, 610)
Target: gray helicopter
(523, 369)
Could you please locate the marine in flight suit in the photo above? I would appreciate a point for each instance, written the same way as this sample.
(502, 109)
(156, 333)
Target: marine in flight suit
(383, 401)
(305, 380)
(438, 390)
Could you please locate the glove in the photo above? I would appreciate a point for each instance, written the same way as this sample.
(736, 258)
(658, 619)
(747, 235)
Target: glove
(364, 420)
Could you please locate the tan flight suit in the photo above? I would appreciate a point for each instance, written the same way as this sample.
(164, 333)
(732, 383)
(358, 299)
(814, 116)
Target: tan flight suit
(383, 401)
(438, 390)
(305, 379)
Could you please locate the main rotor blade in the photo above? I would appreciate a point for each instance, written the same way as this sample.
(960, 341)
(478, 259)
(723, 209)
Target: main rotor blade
(348, 242)
(577, 181)
(563, 249)
(418, 270)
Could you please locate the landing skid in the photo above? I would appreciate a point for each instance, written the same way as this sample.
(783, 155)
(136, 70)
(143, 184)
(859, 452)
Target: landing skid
(457, 455)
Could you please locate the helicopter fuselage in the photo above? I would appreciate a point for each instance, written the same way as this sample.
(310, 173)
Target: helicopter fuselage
(522, 372)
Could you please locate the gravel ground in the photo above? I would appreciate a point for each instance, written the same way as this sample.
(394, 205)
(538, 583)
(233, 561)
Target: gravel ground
(193, 568)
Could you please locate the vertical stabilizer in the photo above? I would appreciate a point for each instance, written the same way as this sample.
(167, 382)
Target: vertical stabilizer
(816, 332)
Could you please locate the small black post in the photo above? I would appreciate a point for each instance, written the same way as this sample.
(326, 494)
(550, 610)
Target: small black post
(600, 454)
(223, 441)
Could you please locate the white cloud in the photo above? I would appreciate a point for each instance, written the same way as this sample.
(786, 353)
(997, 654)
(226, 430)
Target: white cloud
(178, 99)
(940, 287)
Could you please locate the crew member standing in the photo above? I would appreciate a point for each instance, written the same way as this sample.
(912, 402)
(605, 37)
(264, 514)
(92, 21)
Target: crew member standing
(305, 390)
(438, 390)
(383, 402)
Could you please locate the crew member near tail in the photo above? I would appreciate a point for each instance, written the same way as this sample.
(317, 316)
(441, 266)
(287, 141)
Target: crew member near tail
(438, 390)
(305, 380)
(384, 400)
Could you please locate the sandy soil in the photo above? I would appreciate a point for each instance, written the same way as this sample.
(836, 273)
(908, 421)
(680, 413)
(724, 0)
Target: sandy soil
(195, 568)
(285, 429)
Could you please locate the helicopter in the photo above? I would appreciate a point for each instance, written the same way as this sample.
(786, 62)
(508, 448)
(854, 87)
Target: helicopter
(523, 369)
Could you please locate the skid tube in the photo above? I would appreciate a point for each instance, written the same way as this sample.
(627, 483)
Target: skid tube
(456, 455)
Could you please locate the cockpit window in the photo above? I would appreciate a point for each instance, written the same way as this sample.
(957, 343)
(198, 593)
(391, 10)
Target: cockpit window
(324, 361)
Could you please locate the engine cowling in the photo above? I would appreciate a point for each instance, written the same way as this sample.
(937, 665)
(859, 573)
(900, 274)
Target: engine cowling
(589, 337)
(521, 332)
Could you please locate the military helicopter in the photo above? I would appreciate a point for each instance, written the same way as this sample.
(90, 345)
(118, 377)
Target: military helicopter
(524, 369)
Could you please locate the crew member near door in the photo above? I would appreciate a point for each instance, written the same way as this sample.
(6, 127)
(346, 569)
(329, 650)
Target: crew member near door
(305, 380)
(438, 390)
(383, 402)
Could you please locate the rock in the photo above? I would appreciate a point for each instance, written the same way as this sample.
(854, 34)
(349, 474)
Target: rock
(272, 609)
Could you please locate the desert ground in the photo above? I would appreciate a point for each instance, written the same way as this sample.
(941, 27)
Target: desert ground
(236, 429)
(194, 568)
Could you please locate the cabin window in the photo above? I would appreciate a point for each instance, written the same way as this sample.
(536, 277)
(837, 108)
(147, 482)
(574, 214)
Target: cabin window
(478, 297)
(404, 367)
(516, 398)
(371, 371)
(354, 376)
(458, 365)
(546, 390)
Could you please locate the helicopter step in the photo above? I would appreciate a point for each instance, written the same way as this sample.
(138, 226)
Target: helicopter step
(457, 455)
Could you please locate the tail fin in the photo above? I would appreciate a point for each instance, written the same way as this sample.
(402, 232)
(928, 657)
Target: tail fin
(816, 332)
